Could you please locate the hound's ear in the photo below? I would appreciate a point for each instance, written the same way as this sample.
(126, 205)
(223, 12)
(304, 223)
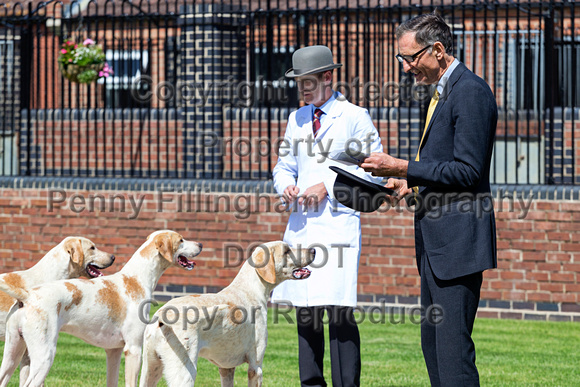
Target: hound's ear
(74, 248)
(263, 261)
(164, 246)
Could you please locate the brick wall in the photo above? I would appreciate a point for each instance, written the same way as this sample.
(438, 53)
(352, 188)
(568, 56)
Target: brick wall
(538, 238)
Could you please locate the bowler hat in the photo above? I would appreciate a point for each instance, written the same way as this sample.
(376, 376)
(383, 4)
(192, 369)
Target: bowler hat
(311, 60)
(357, 193)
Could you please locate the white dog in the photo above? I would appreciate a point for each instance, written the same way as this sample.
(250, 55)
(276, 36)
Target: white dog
(103, 312)
(228, 328)
(72, 258)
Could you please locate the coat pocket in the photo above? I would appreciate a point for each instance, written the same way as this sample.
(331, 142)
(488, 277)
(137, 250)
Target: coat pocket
(449, 242)
(449, 232)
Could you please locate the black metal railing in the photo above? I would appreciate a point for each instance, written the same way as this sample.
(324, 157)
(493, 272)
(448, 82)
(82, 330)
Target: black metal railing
(198, 89)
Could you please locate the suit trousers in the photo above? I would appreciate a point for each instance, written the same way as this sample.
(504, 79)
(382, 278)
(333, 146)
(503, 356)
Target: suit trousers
(344, 345)
(446, 342)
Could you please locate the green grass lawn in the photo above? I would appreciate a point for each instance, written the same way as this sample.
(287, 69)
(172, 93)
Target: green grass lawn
(509, 353)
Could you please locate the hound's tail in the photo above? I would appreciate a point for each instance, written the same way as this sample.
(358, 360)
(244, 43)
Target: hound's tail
(11, 284)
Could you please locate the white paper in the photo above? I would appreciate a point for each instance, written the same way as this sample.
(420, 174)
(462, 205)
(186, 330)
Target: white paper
(355, 158)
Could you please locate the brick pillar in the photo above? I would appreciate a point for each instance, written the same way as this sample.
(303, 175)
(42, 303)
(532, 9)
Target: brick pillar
(410, 129)
(562, 147)
(575, 141)
(214, 58)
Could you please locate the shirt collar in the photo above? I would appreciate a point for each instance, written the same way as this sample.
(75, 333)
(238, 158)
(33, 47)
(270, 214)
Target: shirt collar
(445, 77)
(327, 106)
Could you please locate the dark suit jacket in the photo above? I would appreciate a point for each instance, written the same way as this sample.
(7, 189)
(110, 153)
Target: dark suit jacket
(454, 218)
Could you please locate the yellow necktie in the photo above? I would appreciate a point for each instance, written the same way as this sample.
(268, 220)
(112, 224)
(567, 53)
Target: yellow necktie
(430, 111)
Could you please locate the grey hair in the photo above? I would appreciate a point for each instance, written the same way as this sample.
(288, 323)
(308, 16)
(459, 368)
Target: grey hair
(428, 29)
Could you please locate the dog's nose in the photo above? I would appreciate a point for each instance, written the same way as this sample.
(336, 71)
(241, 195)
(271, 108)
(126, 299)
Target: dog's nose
(312, 251)
(112, 258)
(200, 245)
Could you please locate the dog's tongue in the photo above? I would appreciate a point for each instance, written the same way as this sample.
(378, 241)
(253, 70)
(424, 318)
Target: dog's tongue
(184, 262)
(302, 273)
(93, 272)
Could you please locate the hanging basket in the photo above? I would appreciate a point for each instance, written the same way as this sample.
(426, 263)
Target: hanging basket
(83, 63)
(81, 74)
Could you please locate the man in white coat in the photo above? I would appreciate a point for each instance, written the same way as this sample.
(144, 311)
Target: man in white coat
(327, 125)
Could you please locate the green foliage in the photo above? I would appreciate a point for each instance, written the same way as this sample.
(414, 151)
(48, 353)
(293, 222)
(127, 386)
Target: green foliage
(81, 54)
(83, 63)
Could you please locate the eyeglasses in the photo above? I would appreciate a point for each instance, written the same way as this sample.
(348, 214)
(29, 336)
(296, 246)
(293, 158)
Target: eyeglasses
(410, 58)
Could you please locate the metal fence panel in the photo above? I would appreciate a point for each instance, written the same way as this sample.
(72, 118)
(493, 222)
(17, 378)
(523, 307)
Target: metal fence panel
(198, 89)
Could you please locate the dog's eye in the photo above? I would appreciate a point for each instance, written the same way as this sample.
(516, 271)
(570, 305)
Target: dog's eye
(92, 248)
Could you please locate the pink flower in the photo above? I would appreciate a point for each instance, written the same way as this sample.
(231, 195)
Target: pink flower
(63, 51)
(70, 59)
(88, 42)
(76, 46)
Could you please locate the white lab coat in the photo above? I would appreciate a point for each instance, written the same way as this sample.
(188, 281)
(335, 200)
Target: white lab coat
(332, 229)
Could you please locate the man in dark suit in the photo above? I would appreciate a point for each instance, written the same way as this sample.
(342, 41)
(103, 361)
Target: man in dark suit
(448, 182)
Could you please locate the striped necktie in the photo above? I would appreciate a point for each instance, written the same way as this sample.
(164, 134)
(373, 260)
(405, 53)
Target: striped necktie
(316, 121)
